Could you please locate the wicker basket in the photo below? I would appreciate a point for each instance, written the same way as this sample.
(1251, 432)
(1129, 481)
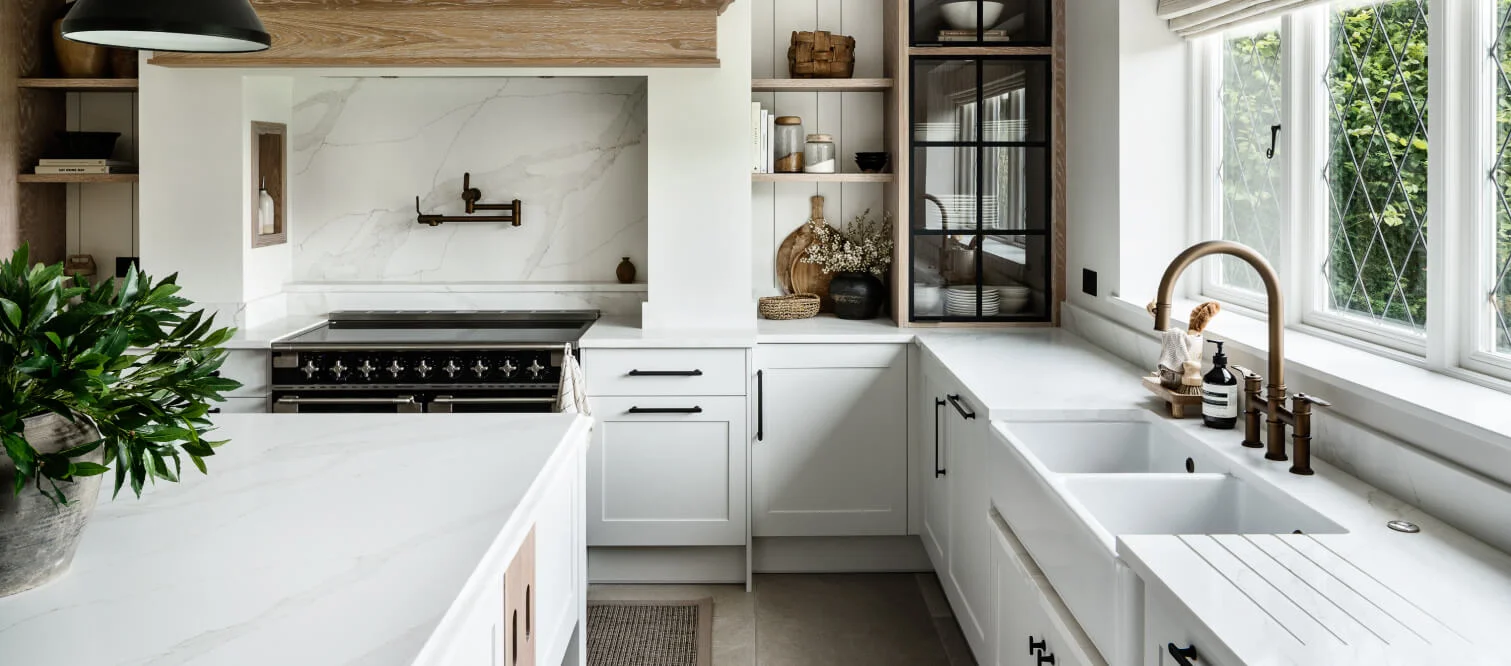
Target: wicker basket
(793, 306)
(820, 55)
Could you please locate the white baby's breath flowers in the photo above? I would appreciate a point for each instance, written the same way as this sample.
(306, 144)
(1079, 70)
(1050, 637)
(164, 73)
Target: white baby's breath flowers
(863, 246)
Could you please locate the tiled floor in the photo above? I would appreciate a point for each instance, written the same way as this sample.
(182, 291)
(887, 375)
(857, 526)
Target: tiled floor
(823, 620)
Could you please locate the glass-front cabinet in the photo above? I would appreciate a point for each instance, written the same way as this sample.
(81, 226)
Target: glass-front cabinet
(981, 22)
(980, 216)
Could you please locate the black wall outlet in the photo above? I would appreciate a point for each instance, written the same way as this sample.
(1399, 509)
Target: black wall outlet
(123, 264)
(1089, 281)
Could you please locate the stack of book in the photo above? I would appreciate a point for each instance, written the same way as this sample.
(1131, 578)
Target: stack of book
(973, 36)
(762, 128)
(85, 166)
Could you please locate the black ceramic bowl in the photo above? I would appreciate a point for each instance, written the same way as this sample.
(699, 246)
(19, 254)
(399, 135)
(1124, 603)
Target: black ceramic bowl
(86, 145)
(872, 162)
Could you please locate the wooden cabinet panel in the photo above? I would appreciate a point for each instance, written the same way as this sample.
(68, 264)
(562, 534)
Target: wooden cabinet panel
(519, 606)
(660, 474)
(833, 457)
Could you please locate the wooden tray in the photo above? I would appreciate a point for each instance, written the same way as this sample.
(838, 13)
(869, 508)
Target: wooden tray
(1178, 402)
(794, 245)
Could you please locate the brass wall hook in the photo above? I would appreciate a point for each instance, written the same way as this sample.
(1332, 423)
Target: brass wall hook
(471, 196)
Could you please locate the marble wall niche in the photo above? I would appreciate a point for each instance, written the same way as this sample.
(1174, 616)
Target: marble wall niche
(572, 150)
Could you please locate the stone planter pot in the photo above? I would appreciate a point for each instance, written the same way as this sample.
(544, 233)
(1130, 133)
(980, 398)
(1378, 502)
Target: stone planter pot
(37, 537)
(857, 295)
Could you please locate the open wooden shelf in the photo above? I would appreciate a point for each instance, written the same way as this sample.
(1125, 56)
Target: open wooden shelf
(821, 177)
(981, 50)
(77, 178)
(82, 85)
(821, 85)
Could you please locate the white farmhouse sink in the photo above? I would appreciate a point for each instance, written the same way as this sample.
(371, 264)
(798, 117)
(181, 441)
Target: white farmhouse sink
(1112, 447)
(1196, 504)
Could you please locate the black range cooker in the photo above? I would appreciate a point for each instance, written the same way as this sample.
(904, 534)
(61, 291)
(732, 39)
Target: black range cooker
(379, 361)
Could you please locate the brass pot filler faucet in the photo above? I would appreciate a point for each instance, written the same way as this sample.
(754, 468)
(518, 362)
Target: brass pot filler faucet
(1299, 416)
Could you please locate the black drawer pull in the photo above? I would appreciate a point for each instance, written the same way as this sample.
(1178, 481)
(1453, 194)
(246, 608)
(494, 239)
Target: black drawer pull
(666, 410)
(964, 413)
(1185, 656)
(760, 405)
(940, 471)
(1046, 659)
(666, 373)
(1036, 646)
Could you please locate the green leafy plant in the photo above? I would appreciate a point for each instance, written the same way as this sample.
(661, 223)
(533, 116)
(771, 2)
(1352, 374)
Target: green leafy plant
(131, 358)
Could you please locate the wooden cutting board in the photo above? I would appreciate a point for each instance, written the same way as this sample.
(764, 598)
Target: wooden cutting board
(795, 244)
(797, 276)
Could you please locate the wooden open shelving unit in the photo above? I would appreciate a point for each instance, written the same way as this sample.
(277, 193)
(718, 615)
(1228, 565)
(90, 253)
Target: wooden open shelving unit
(822, 177)
(80, 85)
(821, 85)
(77, 178)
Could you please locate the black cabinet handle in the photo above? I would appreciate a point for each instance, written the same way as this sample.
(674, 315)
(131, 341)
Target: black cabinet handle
(213, 410)
(666, 373)
(1183, 655)
(760, 405)
(938, 471)
(666, 410)
(965, 413)
(1036, 646)
(1046, 659)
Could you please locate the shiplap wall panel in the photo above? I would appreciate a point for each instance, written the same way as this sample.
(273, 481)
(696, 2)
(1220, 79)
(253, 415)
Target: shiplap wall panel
(102, 217)
(855, 119)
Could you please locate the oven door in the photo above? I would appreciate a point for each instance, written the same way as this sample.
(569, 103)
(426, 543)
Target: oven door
(330, 402)
(472, 402)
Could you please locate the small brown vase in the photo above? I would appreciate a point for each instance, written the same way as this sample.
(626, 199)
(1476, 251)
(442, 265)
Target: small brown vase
(78, 60)
(626, 272)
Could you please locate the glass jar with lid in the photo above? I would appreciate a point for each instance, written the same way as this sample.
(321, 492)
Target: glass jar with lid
(788, 144)
(819, 154)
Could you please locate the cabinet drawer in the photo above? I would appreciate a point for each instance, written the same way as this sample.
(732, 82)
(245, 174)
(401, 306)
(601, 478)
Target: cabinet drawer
(668, 471)
(665, 371)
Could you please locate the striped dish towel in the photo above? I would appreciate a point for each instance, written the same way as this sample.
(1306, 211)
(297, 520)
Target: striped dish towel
(572, 396)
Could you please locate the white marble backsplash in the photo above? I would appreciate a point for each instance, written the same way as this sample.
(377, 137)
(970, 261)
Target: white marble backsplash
(572, 150)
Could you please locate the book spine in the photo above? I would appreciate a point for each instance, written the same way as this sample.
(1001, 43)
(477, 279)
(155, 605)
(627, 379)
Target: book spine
(755, 137)
(53, 170)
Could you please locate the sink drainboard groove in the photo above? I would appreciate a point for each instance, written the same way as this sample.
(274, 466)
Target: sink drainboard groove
(1186, 541)
(1287, 555)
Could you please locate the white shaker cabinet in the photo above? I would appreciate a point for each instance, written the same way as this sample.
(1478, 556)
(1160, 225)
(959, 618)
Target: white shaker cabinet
(1032, 626)
(1174, 637)
(831, 450)
(667, 471)
(967, 580)
(934, 477)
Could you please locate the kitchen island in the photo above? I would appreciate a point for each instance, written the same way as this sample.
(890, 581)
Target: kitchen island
(331, 539)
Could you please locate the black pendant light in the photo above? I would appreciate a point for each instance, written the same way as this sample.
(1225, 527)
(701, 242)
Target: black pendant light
(197, 26)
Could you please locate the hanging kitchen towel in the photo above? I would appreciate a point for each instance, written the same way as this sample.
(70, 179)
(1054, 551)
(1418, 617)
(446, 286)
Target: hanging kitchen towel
(572, 396)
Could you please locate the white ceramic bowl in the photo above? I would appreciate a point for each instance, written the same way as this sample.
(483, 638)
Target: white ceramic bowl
(1012, 304)
(961, 15)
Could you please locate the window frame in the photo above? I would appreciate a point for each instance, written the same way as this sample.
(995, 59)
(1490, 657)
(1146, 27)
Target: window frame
(1458, 335)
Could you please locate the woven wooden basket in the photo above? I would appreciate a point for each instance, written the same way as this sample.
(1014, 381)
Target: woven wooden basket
(792, 306)
(820, 55)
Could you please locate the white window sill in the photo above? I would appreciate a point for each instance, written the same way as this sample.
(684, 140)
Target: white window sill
(1464, 418)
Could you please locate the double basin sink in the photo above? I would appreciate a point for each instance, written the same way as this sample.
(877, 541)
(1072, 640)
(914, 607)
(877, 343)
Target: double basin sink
(1069, 487)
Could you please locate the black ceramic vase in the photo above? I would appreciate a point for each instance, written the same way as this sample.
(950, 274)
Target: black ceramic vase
(857, 295)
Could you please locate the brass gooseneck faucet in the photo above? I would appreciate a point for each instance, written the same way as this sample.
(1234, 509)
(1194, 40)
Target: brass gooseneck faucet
(1299, 416)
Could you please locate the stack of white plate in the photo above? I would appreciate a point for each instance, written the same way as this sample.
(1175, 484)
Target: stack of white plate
(1005, 130)
(961, 211)
(936, 131)
(961, 301)
(1012, 297)
(991, 130)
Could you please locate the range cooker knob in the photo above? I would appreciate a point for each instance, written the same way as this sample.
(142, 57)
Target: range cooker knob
(338, 371)
(480, 369)
(508, 368)
(395, 369)
(423, 369)
(367, 369)
(310, 369)
(536, 369)
(451, 368)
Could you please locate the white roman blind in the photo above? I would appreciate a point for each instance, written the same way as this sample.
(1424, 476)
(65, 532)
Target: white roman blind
(1194, 18)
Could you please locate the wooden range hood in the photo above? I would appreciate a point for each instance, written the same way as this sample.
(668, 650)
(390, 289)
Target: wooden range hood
(478, 33)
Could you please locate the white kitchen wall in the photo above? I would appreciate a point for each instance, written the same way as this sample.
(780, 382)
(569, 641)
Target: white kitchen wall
(855, 120)
(572, 150)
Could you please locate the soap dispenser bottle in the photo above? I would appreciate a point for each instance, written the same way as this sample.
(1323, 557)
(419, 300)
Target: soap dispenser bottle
(1219, 393)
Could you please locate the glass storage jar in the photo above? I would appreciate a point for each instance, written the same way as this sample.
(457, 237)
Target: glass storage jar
(819, 154)
(788, 144)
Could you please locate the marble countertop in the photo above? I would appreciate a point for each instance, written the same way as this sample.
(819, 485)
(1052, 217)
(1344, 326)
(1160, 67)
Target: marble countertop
(315, 539)
(262, 337)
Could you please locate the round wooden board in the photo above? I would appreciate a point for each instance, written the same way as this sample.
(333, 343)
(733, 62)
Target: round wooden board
(793, 246)
(811, 279)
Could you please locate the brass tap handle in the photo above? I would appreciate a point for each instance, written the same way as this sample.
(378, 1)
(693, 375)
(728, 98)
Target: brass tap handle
(1254, 406)
(1246, 373)
(1300, 399)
